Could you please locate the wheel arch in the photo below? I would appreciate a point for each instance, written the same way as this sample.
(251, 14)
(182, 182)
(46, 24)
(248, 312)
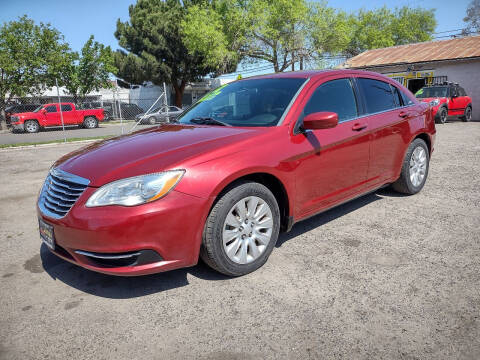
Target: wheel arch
(425, 137)
(274, 184)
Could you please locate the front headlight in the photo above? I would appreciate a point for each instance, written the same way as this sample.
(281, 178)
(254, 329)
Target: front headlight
(136, 190)
(434, 102)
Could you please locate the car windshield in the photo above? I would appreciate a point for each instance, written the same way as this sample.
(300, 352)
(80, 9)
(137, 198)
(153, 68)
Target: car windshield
(38, 108)
(256, 102)
(430, 92)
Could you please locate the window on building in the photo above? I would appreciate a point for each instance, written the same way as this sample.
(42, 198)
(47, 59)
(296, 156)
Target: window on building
(378, 95)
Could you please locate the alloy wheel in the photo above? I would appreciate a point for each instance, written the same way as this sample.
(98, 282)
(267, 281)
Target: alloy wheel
(247, 230)
(418, 166)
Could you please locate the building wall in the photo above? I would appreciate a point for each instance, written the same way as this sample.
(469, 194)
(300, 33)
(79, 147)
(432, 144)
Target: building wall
(465, 73)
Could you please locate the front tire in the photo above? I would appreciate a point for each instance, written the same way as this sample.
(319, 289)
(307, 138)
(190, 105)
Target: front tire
(90, 122)
(31, 126)
(414, 168)
(442, 115)
(468, 114)
(241, 230)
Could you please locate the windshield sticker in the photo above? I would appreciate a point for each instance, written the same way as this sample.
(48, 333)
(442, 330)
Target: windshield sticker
(212, 94)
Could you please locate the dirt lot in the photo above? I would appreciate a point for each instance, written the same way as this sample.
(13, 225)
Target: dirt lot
(384, 276)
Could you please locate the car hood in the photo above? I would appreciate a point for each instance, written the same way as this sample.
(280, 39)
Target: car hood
(153, 150)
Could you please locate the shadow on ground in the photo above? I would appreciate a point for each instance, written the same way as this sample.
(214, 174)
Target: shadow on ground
(114, 287)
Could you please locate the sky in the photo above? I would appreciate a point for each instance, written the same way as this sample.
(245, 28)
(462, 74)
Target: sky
(77, 20)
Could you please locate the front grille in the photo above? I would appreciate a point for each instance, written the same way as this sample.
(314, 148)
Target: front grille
(60, 192)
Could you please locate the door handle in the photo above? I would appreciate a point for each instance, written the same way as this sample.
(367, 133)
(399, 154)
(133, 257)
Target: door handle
(403, 114)
(359, 126)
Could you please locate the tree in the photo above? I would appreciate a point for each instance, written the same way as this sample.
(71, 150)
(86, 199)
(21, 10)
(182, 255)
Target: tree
(276, 31)
(29, 58)
(371, 29)
(81, 74)
(129, 67)
(153, 34)
(473, 18)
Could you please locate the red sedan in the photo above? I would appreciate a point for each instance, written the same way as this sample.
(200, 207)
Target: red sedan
(246, 162)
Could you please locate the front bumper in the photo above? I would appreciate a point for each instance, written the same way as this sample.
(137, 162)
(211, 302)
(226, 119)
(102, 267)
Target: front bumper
(170, 227)
(17, 126)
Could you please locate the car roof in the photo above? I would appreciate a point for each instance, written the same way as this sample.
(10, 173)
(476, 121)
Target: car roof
(308, 74)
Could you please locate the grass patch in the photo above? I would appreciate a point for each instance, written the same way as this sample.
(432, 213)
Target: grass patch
(59, 141)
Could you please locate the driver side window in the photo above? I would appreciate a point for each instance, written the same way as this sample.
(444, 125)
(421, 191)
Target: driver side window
(336, 96)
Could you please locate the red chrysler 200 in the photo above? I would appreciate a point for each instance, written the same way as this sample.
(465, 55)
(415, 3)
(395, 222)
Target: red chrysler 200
(247, 161)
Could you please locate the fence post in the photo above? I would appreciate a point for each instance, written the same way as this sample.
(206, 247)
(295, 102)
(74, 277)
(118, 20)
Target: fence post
(61, 113)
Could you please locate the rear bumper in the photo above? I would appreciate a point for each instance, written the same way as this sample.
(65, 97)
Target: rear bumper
(169, 229)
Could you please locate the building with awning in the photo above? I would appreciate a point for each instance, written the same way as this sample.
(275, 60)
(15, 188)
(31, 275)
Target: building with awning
(428, 63)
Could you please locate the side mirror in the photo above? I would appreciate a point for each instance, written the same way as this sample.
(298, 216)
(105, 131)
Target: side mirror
(43, 111)
(320, 120)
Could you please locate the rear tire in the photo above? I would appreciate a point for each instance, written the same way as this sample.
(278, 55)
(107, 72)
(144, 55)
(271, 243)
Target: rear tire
(414, 168)
(90, 122)
(468, 114)
(31, 126)
(244, 247)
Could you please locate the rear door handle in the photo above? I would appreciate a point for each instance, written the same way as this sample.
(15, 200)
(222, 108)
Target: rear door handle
(359, 126)
(403, 114)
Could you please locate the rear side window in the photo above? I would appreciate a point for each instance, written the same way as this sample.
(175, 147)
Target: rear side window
(335, 96)
(51, 109)
(378, 95)
(406, 99)
(397, 96)
(462, 92)
(66, 107)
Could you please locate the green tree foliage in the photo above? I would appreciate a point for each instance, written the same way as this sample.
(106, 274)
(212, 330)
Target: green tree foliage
(30, 56)
(287, 32)
(88, 71)
(154, 35)
(130, 67)
(371, 29)
(473, 18)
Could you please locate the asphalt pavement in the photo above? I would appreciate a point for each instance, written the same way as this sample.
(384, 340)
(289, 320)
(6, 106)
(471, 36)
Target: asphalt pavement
(383, 277)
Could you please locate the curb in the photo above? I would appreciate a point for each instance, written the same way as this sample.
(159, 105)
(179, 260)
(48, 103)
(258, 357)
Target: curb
(47, 145)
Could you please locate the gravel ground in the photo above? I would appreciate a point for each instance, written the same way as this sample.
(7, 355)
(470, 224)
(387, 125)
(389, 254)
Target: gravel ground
(105, 129)
(382, 277)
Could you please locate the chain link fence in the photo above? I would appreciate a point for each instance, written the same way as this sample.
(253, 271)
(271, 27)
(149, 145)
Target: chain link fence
(119, 105)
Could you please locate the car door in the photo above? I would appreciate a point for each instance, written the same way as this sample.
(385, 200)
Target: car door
(331, 163)
(52, 116)
(68, 114)
(388, 120)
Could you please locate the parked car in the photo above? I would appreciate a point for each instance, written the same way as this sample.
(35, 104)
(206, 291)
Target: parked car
(17, 109)
(48, 115)
(223, 186)
(159, 115)
(447, 100)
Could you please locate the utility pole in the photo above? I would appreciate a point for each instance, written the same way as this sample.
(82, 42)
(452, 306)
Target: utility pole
(61, 113)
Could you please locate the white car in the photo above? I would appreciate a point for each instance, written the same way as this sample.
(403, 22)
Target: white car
(159, 115)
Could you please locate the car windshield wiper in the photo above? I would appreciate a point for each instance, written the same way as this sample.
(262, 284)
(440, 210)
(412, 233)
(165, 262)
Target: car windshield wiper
(208, 121)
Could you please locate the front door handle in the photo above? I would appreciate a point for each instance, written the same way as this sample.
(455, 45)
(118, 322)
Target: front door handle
(403, 114)
(359, 126)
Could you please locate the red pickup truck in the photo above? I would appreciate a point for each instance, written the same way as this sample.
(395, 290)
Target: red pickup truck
(48, 115)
